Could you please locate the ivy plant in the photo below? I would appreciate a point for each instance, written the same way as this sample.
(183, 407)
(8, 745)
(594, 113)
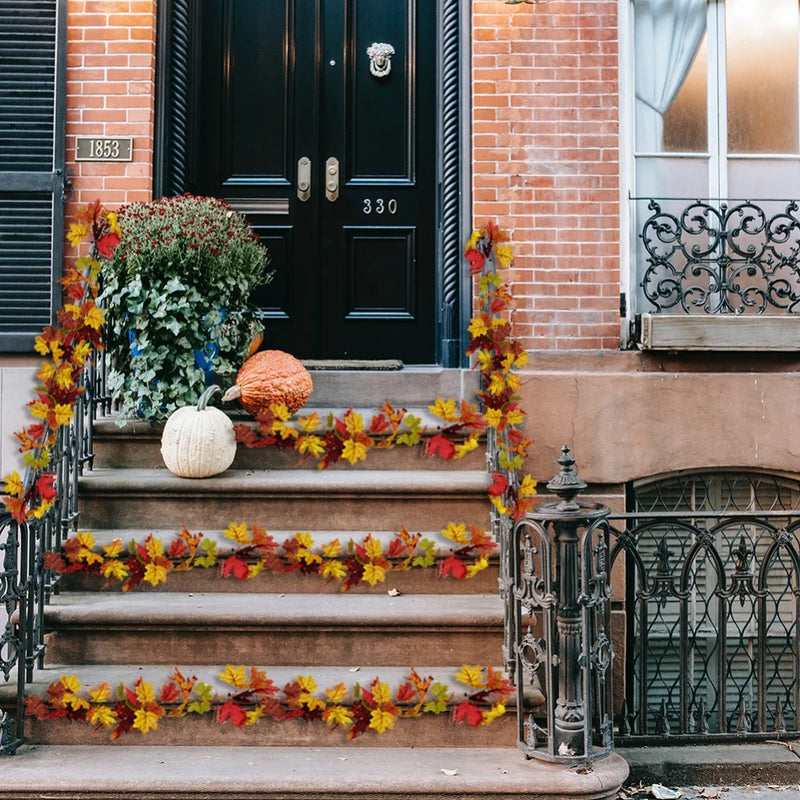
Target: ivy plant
(177, 294)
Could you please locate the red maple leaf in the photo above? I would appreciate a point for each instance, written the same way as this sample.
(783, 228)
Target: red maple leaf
(454, 566)
(169, 693)
(499, 484)
(45, 487)
(469, 713)
(476, 260)
(107, 244)
(234, 566)
(440, 445)
(231, 711)
(406, 693)
(379, 424)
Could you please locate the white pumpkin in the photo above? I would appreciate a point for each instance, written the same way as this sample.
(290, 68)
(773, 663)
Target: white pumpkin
(198, 442)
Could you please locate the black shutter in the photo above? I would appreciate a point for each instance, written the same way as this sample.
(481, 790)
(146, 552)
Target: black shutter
(32, 179)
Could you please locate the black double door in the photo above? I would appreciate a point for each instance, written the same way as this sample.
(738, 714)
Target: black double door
(317, 119)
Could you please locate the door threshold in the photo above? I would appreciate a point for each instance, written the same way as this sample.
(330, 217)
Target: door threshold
(366, 365)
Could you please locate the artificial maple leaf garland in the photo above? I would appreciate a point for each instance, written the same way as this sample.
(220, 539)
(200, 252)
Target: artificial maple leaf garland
(150, 562)
(66, 349)
(255, 696)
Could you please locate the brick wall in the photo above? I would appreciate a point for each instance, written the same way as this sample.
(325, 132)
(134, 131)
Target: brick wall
(546, 162)
(110, 91)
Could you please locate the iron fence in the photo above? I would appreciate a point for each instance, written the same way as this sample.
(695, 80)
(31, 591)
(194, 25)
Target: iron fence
(712, 634)
(25, 585)
(721, 257)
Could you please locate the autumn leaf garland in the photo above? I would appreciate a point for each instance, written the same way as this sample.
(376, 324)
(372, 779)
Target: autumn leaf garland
(254, 696)
(368, 561)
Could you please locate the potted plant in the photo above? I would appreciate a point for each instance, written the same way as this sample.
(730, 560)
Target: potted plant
(177, 294)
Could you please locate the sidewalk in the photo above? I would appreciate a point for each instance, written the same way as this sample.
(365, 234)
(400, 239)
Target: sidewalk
(768, 771)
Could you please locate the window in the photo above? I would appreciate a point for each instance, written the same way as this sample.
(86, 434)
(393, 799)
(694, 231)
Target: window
(717, 120)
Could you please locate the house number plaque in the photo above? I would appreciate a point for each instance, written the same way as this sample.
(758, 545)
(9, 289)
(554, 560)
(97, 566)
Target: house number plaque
(104, 148)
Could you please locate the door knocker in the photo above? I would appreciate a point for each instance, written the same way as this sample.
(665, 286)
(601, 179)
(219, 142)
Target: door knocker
(380, 59)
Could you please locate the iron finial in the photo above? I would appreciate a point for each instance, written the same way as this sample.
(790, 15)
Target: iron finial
(566, 484)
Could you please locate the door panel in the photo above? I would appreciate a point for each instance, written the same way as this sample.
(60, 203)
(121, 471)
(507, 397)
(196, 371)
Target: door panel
(282, 80)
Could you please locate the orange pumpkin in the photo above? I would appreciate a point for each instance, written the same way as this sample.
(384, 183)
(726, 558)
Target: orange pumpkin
(271, 376)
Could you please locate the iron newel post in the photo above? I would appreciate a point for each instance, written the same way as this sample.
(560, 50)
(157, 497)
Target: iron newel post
(561, 587)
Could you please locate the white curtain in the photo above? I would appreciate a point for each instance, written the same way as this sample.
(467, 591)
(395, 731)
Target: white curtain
(668, 34)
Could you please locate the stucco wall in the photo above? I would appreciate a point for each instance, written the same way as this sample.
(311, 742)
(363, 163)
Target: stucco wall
(627, 415)
(17, 382)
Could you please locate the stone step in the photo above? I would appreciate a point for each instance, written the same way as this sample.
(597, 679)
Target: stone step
(299, 499)
(414, 580)
(287, 629)
(426, 729)
(137, 444)
(312, 773)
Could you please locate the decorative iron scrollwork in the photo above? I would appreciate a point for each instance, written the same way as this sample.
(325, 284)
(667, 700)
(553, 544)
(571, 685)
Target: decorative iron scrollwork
(722, 259)
(380, 59)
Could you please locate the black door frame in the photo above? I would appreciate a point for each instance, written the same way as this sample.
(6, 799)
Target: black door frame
(175, 90)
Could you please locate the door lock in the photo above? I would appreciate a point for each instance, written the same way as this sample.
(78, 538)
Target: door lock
(304, 178)
(332, 179)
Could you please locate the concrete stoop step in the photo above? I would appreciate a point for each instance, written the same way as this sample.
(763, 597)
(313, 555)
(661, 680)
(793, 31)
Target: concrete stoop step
(299, 499)
(278, 773)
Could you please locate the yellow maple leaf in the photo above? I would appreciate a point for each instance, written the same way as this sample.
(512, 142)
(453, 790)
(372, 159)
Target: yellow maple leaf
(354, 422)
(381, 720)
(251, 717)
(444, 409)
(155, 574)
(113, 549)
(101, 715)
(113, 224)
(145, 693)
(497, 383)
(280, 411)
(85, 539)
(39, 410)
(333, 569)
(254, 569)
(374, 573)
(481, 564)
(310, 444)
(101, 693)
(81, 352)
(235, 676)
(238, 531)
(465, 447)
(70, 683)
(497, 710)
(63, 413)
(46, 372)
(145, 720)
(373, 548)
(114, 569)
(513, 381)
(456, 532)
(498, 504)
(477, 327)
(528, 487)
(515, 416)
(354, 451)
(94, 317)
(503, 253)
(337, 694)
(304, 539)
(522, 359)
(381, 693)
(14, 485)
(337, 715)
(41, 346)
(473, 240)
(78, 231)
(307, 683)
(332, 549)
(42, 509)
(494, 417)
(154, 547)
(310, 423)
(472, 676)
(64, 377)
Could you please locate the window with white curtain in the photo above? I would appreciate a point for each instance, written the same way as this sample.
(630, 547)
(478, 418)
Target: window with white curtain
(716, 112)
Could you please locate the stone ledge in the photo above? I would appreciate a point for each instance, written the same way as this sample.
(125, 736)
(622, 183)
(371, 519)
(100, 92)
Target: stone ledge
(285, 773)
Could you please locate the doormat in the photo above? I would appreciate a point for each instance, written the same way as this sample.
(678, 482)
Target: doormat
(380, 365)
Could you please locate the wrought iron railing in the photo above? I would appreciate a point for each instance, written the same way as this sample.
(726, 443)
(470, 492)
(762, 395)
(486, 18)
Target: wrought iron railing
(25, 585)
(721, 257)
(713, 625)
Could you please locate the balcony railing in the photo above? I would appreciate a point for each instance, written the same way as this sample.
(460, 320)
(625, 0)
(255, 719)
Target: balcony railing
(719, 257)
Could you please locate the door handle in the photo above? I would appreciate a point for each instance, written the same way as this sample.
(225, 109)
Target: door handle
(304, 178)
(332, 179)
